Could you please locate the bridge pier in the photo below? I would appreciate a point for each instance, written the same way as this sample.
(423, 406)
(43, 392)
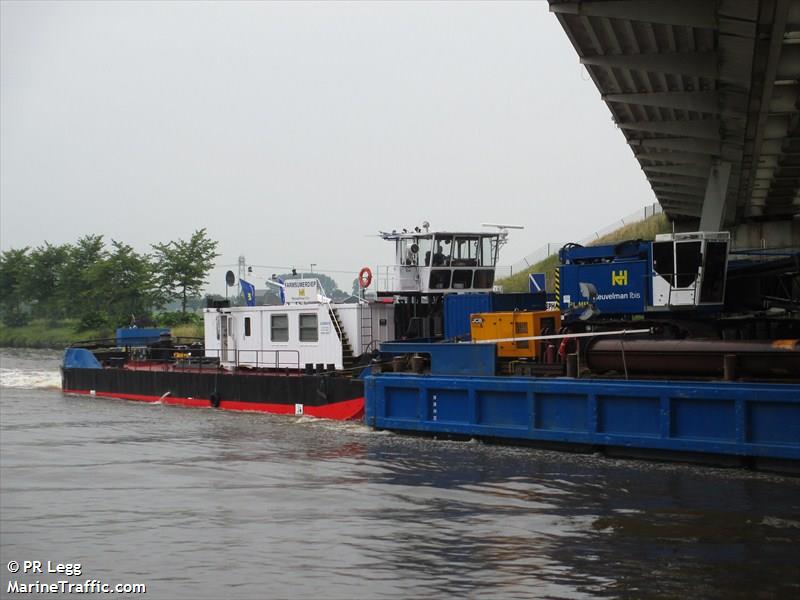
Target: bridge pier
(712, 216)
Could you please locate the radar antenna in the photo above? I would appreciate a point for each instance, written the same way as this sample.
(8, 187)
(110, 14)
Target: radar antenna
(502, 230)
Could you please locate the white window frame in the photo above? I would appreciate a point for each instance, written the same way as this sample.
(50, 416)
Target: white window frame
(272, 328)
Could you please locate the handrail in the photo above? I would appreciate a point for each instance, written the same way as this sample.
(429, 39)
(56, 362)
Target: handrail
(111, 342)
(213, 357)
(336, 323)
(222, 354)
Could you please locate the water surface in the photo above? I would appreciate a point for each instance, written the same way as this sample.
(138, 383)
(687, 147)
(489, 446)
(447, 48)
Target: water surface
(198, 503)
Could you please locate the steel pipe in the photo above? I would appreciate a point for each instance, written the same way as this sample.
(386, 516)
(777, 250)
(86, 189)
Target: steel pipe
(773, 359)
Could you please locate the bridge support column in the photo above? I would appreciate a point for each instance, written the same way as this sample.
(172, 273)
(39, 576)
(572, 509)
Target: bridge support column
(713, 214)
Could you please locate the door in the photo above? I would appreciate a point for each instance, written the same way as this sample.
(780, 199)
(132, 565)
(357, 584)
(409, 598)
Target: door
(227, 354)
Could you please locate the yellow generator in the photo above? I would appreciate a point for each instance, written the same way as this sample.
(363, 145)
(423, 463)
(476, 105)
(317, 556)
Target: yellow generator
(505, 325)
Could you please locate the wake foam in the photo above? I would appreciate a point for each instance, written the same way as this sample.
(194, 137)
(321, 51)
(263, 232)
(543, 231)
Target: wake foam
(27, 379)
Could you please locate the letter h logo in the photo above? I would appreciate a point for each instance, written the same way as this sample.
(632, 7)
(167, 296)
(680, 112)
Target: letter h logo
(620, 278)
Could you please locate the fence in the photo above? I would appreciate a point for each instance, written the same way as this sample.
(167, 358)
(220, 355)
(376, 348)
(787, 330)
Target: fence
(551, 248)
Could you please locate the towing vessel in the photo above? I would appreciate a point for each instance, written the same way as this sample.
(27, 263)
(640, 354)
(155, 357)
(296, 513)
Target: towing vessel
(303, 356)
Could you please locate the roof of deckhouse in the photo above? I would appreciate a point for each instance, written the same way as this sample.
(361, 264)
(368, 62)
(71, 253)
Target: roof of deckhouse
(705, 93)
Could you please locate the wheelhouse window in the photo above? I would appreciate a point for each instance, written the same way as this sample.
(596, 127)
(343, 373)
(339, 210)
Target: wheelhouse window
(465, 251)
(425, 250)
(279, 328)
(309, 331)
(488, 251)
(441, 251)
(688, 258)
(664, 260)
(713, 284)
(247, 327)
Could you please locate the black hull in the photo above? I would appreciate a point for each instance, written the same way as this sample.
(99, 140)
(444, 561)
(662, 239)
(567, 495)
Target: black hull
(316, 395)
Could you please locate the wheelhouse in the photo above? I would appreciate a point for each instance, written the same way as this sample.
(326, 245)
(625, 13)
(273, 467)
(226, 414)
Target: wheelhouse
(440, 262)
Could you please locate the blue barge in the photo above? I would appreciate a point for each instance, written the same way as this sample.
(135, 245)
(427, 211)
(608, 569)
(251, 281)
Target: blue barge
(734, 423)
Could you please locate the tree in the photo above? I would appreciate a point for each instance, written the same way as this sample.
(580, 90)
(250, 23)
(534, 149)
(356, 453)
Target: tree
(183, 266)
(75, 289)
(120, 286)
(14, 268)
(43, 284)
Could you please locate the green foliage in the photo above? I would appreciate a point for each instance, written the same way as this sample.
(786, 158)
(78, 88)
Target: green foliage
(642, 230)
(88, 251)
(44, 333)
(172, 319)
(184, 265)
(46, 274)
(120, 288)
(14, 269)
(54, 294)
(189, 330)
(519, 281)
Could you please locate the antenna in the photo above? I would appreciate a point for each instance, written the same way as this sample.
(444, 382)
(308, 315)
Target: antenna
(502, 230)
(501, 226)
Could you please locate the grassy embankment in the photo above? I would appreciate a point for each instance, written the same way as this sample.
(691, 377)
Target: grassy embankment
(643, 230)
(40, 333)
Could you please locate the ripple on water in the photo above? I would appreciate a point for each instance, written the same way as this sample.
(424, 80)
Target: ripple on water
(200, 503)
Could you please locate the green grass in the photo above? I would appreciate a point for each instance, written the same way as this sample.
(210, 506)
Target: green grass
(642, 230)
(190, 330)
(42, 333)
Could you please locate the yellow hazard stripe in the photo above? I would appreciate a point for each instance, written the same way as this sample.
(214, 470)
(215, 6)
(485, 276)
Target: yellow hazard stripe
(557, 281)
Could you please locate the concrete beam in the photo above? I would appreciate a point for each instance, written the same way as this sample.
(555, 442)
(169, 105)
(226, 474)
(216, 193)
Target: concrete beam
(689, 183)
(713, 215)
(686, 144)
(676, 192)
(704, 101)
(686, 13)
(707, 129)
(685, 158)
(692, 64)
(684, 170)
(765, 126)
(711, 102)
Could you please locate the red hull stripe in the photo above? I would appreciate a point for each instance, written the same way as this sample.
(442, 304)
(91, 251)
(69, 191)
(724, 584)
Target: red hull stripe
(341, 411)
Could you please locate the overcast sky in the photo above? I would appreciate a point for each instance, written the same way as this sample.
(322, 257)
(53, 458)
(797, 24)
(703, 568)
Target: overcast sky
(294, 131)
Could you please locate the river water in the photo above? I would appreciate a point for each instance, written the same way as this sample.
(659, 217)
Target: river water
(198, 503)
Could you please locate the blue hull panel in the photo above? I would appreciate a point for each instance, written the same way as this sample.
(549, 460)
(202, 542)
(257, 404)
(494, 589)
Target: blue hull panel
(741, 419)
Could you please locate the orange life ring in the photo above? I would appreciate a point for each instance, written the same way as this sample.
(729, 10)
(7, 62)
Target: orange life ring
(364, 277)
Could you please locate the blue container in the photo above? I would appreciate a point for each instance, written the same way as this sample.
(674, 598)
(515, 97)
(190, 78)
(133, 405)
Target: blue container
(127, 336)
(459, 307)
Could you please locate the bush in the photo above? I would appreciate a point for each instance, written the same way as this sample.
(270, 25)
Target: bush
(14, 317)
(172, 319)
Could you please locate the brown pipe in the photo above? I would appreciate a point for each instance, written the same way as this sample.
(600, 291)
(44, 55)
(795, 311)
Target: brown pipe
(773, 359)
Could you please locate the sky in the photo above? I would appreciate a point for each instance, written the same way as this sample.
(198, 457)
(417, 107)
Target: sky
(294, 132)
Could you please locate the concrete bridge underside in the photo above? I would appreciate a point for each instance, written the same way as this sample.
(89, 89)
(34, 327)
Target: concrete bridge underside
(706, 94)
